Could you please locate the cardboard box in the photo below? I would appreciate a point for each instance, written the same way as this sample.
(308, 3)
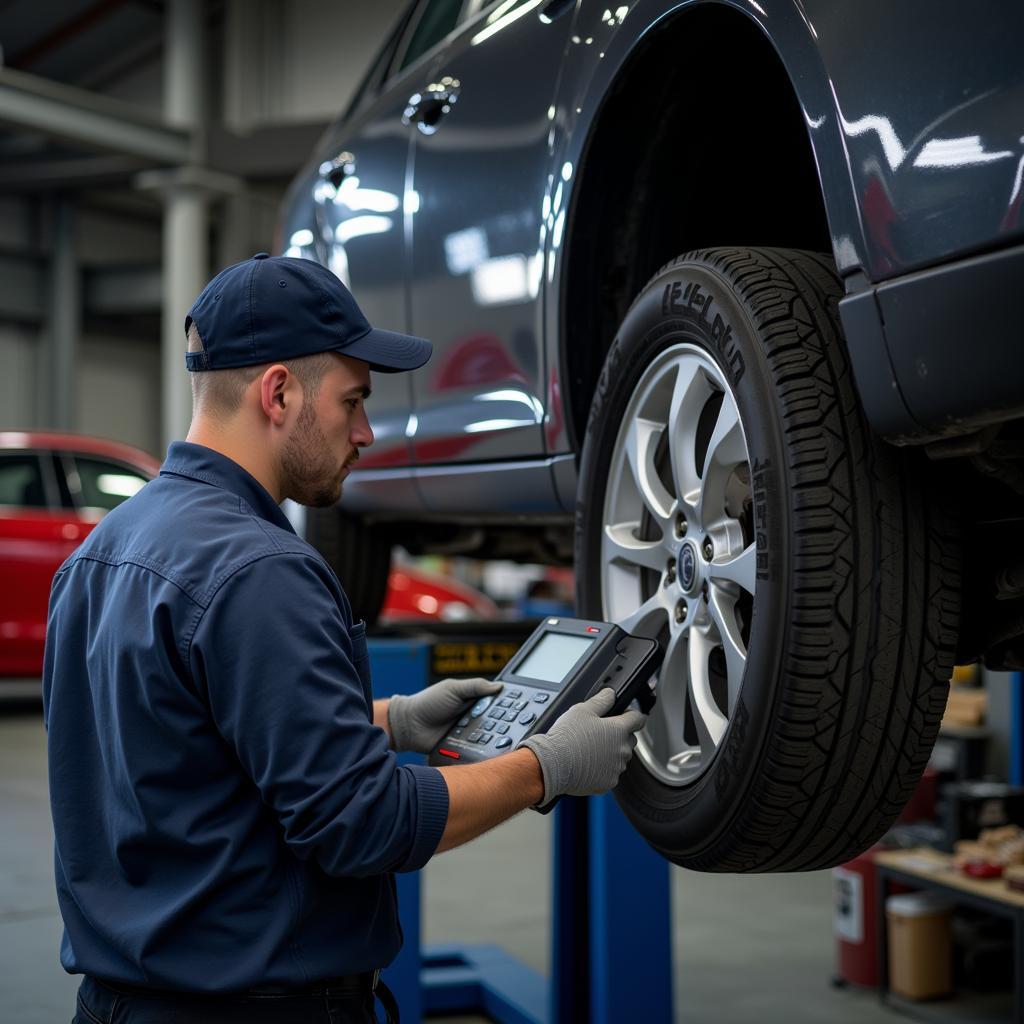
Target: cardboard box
(966, 706)
(920, 945)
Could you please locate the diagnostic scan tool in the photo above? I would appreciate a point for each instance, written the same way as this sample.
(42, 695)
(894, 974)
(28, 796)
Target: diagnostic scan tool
(563, 662)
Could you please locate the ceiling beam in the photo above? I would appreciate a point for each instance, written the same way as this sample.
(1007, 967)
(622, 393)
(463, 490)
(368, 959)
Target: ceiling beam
(86, 119)
(63, 174)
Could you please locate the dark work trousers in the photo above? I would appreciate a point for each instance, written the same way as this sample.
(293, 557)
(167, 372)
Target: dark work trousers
(344, 1001)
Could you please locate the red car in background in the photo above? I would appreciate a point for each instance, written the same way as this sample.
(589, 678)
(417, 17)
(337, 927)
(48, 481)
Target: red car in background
(414, 594)
(54, 488)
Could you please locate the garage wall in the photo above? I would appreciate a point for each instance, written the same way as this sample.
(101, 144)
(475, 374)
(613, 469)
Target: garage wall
(20, 385)
(328, 57)
(117, 390)
(16, 219)
(298, 60)
(997, 721)
(19, 382)
(116, 240)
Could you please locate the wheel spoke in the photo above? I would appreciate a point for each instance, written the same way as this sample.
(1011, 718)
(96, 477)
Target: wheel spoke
(621, 545)
(741, 570)
(710, 722)
(641, 444)
(648, 619)
(672, 689)
(664, 734)
(690, 392)
(722, 607)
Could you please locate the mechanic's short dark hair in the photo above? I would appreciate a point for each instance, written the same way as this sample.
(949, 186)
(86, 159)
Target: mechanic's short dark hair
(219, 392)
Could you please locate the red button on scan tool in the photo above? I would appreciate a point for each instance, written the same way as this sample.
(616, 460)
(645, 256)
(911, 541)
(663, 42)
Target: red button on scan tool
(449, 753)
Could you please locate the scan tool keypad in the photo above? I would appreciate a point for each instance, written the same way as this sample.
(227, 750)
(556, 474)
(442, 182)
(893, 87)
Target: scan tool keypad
(500, 721)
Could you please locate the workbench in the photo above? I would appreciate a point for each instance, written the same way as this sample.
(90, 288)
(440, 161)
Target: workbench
(924, 868)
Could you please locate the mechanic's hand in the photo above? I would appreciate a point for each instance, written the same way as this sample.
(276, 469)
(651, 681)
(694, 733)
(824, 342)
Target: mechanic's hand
(584, 754)
(419, 721)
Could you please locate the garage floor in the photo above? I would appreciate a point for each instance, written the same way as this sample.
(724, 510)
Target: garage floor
(747, 948)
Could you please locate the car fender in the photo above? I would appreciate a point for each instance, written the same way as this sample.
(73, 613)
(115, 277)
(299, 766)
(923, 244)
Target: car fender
(603, 42)
(911, 144)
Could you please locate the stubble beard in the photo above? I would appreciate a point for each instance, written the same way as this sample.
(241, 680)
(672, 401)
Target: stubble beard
(310, 470)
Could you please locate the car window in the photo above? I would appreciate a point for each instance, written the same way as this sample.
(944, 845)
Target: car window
(98, 484)
(21, 481)
(439, 17)
(474, 7)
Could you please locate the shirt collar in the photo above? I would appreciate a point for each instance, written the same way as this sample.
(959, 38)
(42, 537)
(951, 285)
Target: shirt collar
(201, 463)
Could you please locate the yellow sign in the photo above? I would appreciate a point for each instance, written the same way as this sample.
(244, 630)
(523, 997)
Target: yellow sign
(469, 658)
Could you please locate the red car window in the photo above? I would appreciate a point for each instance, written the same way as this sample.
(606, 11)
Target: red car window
(99, 484)
(21, 481)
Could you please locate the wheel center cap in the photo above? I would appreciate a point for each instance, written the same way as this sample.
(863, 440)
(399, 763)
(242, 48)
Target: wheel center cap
(686, 567)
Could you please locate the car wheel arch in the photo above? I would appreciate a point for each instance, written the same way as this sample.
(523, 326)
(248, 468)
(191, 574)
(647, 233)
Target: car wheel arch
(620, 155)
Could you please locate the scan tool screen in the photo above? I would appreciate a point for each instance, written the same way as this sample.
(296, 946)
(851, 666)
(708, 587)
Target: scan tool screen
(551, 660)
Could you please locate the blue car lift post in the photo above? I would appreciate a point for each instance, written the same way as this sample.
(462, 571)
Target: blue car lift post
(1017, 729)
(611, 937)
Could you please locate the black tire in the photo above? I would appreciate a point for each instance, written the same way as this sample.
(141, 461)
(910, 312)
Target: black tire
(359, 554)
(856, 608)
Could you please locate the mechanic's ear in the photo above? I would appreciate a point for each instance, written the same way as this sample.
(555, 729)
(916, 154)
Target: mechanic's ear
(275, 393)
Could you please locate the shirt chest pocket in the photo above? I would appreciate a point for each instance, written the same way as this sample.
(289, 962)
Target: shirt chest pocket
(361, 660)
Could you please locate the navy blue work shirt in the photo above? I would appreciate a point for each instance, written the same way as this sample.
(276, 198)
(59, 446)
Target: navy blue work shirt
(226, 814)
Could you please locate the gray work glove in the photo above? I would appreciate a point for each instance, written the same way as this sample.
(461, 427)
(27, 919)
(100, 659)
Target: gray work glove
(419, 721)
(584, 754)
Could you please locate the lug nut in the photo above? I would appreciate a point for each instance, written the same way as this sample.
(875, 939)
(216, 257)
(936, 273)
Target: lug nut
(709, 549)
(670, 572)
(680, 525)
(681, 611)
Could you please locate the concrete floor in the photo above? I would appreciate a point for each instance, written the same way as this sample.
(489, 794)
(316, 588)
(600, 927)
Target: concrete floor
(746, 948)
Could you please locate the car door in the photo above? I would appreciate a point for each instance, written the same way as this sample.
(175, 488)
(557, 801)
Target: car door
(358, 187)
(480, 168)
(36, 535)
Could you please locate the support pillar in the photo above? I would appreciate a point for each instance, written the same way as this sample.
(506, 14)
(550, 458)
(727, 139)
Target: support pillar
(185, 261)
(1017, 728)
(184, 64)
(186, 208)
(187, 193)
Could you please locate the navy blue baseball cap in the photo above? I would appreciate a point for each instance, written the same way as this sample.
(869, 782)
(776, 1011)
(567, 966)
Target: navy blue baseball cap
(273, 308)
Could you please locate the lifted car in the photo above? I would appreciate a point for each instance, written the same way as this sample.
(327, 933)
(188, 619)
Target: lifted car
(725, 305)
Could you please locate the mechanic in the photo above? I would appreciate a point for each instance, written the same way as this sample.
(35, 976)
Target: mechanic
(227, 806)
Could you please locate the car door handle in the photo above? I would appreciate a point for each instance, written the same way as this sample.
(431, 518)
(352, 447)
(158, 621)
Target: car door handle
(555, 9)
(337, 170)
(426, 108)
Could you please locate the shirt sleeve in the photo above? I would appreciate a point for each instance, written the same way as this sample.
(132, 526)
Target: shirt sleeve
(274, 656)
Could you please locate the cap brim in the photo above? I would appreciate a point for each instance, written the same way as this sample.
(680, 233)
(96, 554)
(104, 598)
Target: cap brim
(388, 352)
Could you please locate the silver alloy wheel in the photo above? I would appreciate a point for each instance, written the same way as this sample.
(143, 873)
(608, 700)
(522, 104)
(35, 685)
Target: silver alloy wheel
(678, 552)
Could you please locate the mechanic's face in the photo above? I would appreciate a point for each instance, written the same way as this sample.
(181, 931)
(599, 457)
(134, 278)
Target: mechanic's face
(328, 434)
